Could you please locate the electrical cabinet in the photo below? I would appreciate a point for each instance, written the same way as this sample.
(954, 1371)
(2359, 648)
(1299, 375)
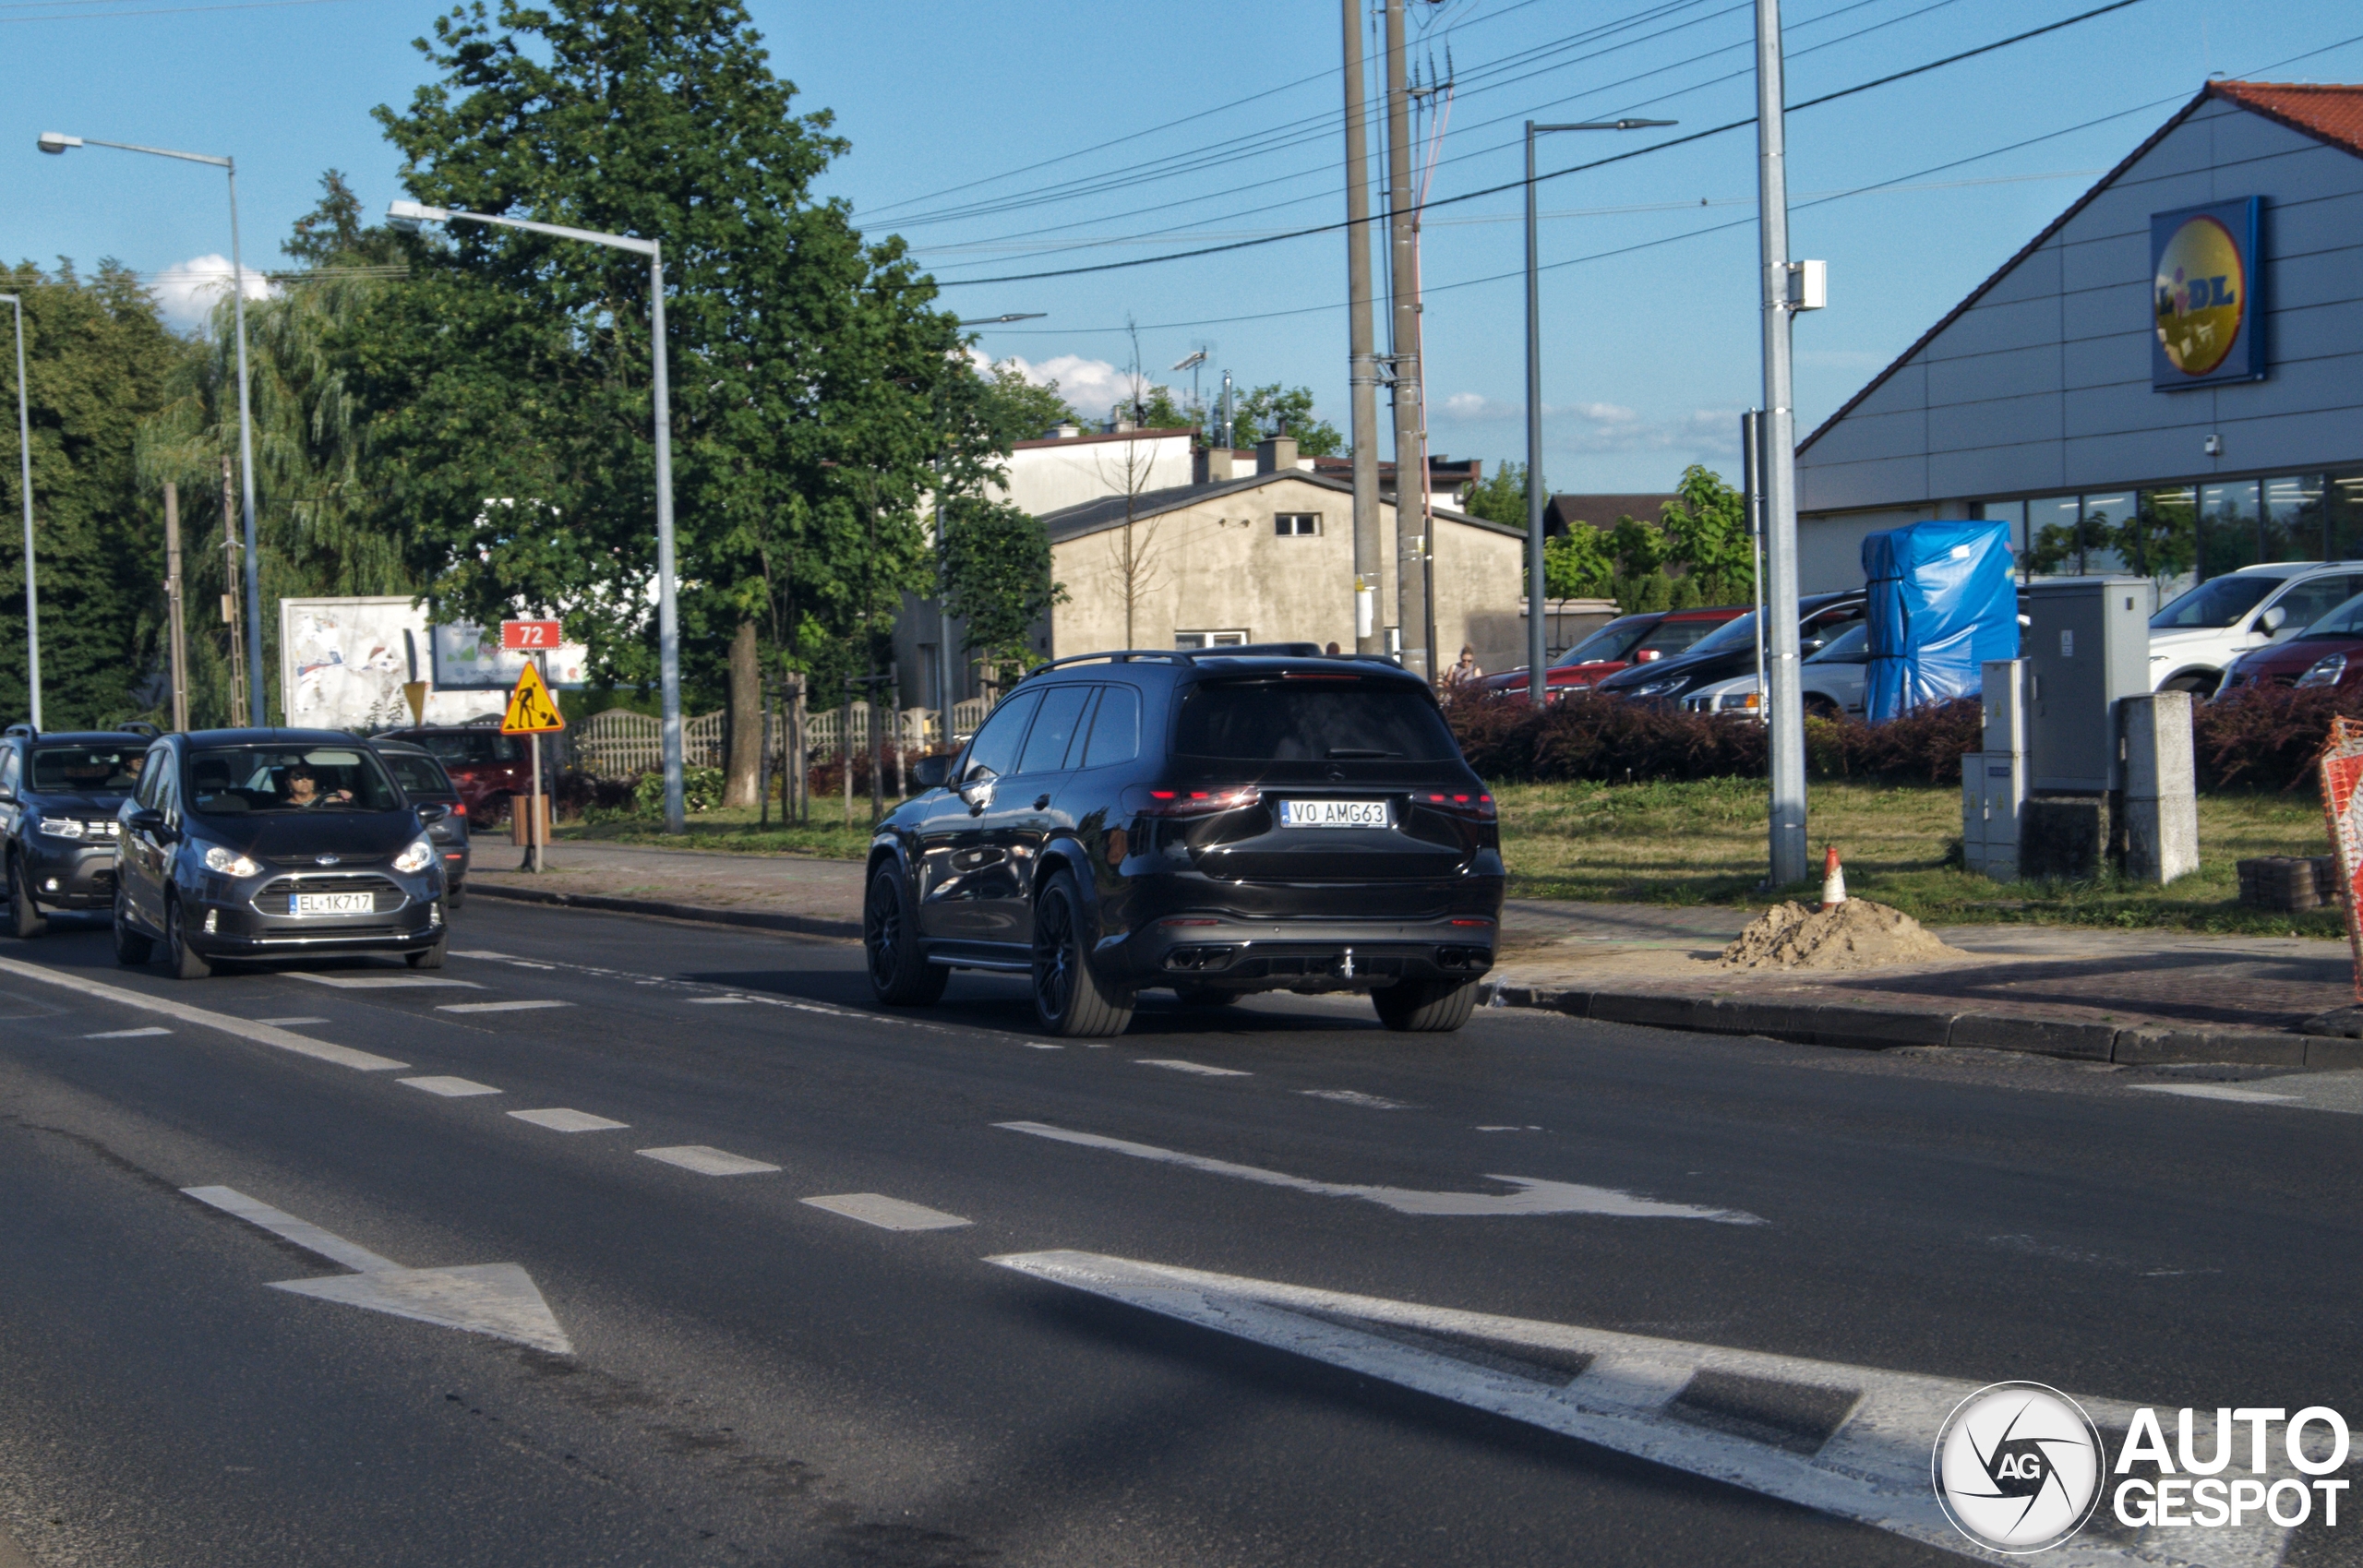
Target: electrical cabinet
(2087, 649)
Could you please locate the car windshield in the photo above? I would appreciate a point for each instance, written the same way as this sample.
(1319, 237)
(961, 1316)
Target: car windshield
(2220, 602)
(88, 770)
(419, 776)
(1611, 641)
(1851, 646)
(2344, 621)
(1311, 720)
(236, 779)
(1736, 633)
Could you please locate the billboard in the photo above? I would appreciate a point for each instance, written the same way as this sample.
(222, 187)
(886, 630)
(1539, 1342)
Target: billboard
(342, 663)
(2206, 296)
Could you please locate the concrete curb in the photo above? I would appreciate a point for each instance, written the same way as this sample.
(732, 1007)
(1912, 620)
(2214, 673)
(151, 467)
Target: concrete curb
(703, 915)
(1870, 1028)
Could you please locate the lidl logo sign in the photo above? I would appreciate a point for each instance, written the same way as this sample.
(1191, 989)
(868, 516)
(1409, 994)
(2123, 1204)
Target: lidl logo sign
(2204, 296)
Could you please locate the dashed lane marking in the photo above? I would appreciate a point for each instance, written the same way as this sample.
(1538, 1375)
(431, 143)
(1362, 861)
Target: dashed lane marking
(1199, 1067)
(128, 1033)
(722, 1001)
(887, 1213)
(708, 1161)
(498, 1006)
(559, 1119)
(1506, 1130)
(2216, 1092)
(1040, 1045)
(290, 1023)
(1356, 1098)
(380, 982)
(1534, 1195)
(450, 1088)
(245, 1029)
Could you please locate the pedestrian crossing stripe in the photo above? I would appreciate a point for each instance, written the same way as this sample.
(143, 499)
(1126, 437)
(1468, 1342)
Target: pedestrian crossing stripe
(531, 709)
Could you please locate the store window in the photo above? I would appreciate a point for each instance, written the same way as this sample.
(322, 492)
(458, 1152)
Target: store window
(2166, 541)
(2343, 503)
(2291, 514)
(2227, 527)
(2052, 548)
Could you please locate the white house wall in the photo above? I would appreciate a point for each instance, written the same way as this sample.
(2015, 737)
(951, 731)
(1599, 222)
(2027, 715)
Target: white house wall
(1044, 478)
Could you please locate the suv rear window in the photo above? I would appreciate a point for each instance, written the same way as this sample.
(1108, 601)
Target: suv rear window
(1311, 721)
(475, 745)
(418, 775)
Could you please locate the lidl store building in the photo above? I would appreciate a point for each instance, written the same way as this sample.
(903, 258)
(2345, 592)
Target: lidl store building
(2167, 381)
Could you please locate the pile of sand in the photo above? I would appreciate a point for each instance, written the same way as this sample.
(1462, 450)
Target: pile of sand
(1858, 934)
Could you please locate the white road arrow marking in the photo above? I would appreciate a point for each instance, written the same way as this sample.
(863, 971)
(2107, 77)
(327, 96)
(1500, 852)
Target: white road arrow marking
(1852, 1441)
(1535, 1195)
(497, 1300)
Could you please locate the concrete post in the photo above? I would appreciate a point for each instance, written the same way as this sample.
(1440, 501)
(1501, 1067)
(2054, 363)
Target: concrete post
(2160, 789)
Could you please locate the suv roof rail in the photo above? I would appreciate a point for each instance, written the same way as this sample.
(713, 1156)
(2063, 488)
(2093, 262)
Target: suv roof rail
(139, 726)
(1113, 655)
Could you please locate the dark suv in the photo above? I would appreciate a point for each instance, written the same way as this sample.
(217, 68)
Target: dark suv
(58, 796)
(1214, 823)
(1821, 618)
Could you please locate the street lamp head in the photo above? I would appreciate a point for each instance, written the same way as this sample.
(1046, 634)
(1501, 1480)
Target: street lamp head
(56, 143)
(408, 215)
(1643, 124)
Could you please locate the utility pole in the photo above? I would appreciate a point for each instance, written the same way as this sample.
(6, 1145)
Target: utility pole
(173, 605)
(1783, 691)
(230, 598)
(1412, 612)
(1370, 549)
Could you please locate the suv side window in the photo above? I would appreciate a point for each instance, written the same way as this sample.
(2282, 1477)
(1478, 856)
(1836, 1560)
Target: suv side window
(1061, 716)
(1115, 729)
(995, 747)
(8, 769)
(151, 777)
(2311, 598)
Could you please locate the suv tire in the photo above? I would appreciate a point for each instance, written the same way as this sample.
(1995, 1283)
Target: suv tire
(1425, 1007)
(186, 962)
(899, 973)
(25, 918)
(132, 946)
(431, 957)
(1069, 1000)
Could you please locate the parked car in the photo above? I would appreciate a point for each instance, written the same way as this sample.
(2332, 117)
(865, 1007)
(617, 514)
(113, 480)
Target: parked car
(424, 782)
(59, 792)
(2197, 638)
(263, 843)
(486, 766)
(1834, 680)
(2327, 653)
(1731, 650)
(1200, 821)
(1639, 639)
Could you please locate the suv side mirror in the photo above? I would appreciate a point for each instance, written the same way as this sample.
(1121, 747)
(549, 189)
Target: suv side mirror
(977, 789)
(432, 813)
(2273, 620)
(146, 820)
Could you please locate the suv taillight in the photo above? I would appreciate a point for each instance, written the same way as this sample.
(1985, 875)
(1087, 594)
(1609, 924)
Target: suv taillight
(1477, 807)
(1198, 802)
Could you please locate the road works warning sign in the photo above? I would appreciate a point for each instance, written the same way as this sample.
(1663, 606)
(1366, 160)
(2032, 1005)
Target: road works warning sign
(2342, 772)
(530, 711)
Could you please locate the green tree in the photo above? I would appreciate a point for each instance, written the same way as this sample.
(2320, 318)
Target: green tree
(1706, 535)
(1286, 411)
(1500, 498)
(804, 359)
(1577, 565)
(96, 363)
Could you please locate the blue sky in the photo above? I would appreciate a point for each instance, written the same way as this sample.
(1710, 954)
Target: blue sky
(1154, 130)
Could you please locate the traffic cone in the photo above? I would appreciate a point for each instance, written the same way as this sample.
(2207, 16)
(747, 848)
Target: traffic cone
(1834, 880)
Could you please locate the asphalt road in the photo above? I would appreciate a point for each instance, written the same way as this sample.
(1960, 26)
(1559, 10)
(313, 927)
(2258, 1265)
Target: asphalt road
(747, 1377)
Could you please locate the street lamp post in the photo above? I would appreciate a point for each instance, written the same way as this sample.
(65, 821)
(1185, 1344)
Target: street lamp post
(1538, 681)
(57, 144)
(25, 483)
(409, 215)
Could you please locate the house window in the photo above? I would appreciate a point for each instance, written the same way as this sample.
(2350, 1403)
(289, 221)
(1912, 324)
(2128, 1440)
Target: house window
(1289, 525)
(1186, 641)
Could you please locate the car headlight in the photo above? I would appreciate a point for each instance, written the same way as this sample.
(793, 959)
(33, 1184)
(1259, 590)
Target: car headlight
(61, 827)
(417, 857)
(229, 863)
(1661, 688)
(1746, 700)
(2324, 672)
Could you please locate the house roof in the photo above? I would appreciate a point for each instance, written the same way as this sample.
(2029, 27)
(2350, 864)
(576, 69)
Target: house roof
(1100, 436)
(2329, 113)
(1107, 511)
(1602, 511)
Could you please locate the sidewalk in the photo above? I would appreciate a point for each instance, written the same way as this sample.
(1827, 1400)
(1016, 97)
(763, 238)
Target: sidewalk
(2108, 996)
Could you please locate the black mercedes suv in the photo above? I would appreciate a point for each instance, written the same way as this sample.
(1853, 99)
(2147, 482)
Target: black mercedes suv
(58, 796)
(1215, 823)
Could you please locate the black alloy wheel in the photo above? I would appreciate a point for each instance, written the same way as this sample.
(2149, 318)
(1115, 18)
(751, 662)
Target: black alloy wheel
(1068, 999)
(25, 918)
(899, 973)
(132, 947)
(1425, 1007)
(186, 962)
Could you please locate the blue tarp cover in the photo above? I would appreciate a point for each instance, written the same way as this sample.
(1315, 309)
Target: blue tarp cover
(1942, 601)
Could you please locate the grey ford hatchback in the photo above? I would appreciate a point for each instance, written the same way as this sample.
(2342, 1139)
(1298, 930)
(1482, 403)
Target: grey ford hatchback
(1214, 823)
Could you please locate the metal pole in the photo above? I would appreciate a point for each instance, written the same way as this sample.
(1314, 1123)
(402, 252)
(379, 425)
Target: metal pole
(1370, 549)
(1751, 456)
(230, 591)
(172, 600)
(24, 485)
(1410, 465)
(533, 813)
(257, 711)
(942, 618)
(1538, 681)
(1783, 691)
(668, 615)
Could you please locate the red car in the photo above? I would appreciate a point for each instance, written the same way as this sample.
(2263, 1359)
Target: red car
(2327, 653)
(1622, 643)
(487, 767)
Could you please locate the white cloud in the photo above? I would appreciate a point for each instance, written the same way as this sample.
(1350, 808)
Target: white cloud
(1090, 386)
(1608, 427)
(186, 291)
(1476, 407)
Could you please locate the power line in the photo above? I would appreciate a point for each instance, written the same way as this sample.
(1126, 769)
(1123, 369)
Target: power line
(165, 10)
(1890, 78)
